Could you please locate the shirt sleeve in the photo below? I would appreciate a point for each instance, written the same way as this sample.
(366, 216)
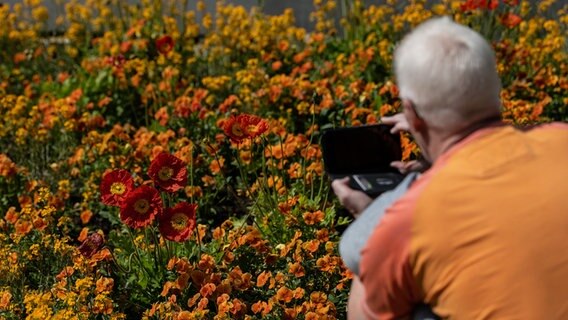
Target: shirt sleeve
(391, 289)
(359, 231)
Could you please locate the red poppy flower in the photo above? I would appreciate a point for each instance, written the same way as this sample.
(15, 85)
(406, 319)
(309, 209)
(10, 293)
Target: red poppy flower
(91, 245)
(244, 126)
(234, 130)
(177, 223)
(140, 207)
(254, 126)
(115, 186)
(165, 44)
(168, 171)
(510, 20)
(471, 5)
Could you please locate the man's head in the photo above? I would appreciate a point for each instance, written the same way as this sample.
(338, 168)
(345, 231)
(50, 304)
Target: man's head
(447, 78)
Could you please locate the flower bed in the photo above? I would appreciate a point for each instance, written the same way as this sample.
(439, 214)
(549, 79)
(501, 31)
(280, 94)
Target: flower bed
(154, 167)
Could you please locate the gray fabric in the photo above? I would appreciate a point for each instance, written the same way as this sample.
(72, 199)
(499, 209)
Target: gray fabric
(355, 236)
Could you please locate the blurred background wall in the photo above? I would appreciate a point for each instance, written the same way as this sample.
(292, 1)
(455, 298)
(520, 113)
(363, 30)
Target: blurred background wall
(302, 8)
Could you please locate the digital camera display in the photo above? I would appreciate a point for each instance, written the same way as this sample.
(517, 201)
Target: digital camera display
(365, 149)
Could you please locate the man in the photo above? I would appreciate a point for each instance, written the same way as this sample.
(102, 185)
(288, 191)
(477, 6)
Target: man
(483, 233)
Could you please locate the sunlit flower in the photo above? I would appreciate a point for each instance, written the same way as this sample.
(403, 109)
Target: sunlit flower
(115, 186)
(140, 207)
(177, 223)
(168, 171)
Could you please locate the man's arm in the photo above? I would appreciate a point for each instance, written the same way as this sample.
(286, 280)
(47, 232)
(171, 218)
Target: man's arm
(356, 298)
(354, 201)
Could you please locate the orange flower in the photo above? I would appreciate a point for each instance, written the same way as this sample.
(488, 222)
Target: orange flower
(11, 215)
(207, 262)
(162, 116)
(297, 270)
(318, 297)
(104, 285)
(207, 290)
(86, 216)
(326, 263)
(184, 106)
(312, 218)
(510, 20)
(216, 165)
(5, 300)
(262, 278)
(262, 307)
(239, 280)
(83, 235)
(311, 245)
(66, 272)
(202, 305)
(7, 167)
(284, 294)
(23, 227)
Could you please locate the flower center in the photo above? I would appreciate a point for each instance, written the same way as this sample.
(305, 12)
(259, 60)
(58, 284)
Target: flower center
(117, 188)
(237, 130)
(165, 173)
(179, 221)
(142, 206)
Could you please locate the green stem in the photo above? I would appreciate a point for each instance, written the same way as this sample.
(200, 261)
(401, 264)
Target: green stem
(137, 252)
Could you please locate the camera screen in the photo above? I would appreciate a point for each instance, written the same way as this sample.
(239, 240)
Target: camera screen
(362, 149)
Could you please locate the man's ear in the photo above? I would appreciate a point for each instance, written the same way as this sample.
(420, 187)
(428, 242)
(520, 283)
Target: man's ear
(414, 119)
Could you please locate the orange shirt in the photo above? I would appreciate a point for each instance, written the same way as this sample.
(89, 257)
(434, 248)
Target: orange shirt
(482, 235)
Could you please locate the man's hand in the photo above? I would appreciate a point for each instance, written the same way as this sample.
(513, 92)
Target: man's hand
(354, 201)
(400, 124)
(410, 166)
(398, 121)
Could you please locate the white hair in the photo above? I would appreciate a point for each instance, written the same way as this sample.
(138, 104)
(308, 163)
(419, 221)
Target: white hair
(449, 72)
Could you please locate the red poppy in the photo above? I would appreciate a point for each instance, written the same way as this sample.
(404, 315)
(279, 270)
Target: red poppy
(471, 5)
(91, 245)
(115, 186)
(244, 126)
(510, 20)
(168, 172)
(234, 130)
(165, 44)
(140, 207)
(254, 126)
(177, 223)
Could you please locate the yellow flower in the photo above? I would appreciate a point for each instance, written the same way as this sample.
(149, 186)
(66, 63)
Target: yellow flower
(40, 14)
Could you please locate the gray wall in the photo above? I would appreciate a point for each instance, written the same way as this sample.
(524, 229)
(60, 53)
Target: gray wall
(302, 8)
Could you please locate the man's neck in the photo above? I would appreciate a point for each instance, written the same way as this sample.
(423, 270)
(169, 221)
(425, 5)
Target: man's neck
(442, 143)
